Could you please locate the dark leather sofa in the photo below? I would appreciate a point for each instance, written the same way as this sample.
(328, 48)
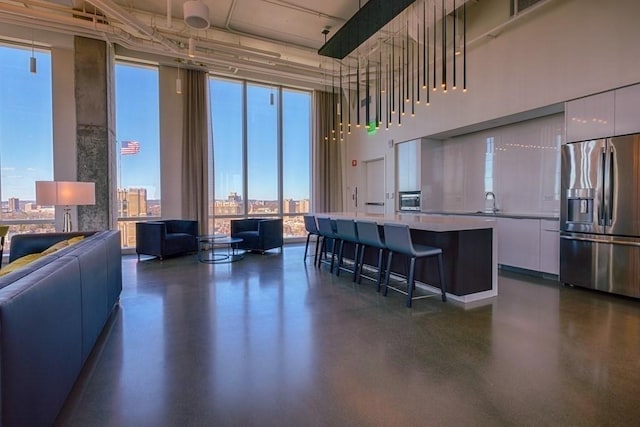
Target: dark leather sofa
(258, 234)
(166, 238)
(52, 312)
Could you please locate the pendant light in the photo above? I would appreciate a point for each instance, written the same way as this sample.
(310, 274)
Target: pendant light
(434, 46)
(464, 47)
(367, 111)
(417, 62)
(32, 61)
(444, 48)
(425, 55)
(358, 94)
(393, 77)
(179, 80)
(455, 19)
(192, 48)
(349, 100)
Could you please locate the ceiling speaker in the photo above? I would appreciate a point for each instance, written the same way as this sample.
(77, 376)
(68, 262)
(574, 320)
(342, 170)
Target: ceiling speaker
(196, 14)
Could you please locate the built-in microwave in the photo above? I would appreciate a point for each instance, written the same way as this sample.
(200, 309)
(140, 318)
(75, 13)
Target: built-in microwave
(409, 200)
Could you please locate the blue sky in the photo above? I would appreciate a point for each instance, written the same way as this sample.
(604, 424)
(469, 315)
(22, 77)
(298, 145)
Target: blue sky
(26, 131)
(25, 123)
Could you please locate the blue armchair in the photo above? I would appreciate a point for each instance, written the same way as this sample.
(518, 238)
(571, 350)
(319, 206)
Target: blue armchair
(258, 234)
(166, 238)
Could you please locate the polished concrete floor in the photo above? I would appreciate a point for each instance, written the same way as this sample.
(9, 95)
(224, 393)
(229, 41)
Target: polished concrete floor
(272, 341)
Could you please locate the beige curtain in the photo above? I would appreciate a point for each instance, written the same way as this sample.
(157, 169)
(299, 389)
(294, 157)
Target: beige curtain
(328, 158)
(195, 141)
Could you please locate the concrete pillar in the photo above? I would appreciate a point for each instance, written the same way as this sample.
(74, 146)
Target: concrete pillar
(95, 136)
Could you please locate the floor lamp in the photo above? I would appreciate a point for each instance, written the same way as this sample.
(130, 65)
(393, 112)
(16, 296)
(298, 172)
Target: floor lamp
(65, 193)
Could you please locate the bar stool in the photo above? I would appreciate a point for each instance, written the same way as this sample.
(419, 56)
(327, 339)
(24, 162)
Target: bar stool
(312, 230)
(398, 239)
(346, 232)
(327, 231)
(369, 236)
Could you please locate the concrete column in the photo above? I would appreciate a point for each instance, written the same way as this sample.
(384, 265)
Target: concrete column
(95, 136)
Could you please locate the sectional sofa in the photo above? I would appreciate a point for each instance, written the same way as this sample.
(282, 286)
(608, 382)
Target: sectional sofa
(52, 312)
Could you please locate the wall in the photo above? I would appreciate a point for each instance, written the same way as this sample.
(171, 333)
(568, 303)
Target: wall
(566, 49)
(523, 168)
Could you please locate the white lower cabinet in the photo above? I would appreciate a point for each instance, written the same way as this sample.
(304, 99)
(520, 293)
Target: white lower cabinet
(550, 246)
(529, 243)
(519, 242)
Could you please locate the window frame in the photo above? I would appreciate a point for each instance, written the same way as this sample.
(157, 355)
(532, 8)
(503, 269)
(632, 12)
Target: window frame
(279, 89)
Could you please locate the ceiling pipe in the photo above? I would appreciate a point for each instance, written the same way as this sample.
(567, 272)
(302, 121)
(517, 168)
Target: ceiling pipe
(111, 9)
(261, 63)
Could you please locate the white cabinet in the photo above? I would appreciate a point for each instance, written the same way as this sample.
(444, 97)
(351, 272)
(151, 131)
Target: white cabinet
(519, 242)
(627, 110)
(408, 155)
(590, 117)
(549, 246)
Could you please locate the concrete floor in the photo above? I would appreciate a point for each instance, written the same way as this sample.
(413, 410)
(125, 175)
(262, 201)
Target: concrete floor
(271, 341)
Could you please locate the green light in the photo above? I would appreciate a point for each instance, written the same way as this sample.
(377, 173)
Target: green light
(371, 128)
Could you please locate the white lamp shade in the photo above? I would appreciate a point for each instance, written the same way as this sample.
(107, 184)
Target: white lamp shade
(65, 193)
(196, 14)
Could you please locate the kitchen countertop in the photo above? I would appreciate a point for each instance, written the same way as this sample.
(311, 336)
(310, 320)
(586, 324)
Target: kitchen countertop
(499, 214)
(419, 221)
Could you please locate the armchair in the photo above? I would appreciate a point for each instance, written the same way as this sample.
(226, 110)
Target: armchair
(166, 238)
(258, 234)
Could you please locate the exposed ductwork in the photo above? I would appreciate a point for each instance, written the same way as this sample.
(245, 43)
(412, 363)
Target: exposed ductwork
(231, 52)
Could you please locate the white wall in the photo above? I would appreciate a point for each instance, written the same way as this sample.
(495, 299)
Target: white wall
(565, 50)
(524, 175)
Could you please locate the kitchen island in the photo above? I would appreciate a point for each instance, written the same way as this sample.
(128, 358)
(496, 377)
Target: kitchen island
(468, 248)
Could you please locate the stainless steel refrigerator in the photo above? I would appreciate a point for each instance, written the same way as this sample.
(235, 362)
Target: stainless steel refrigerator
(600, 215)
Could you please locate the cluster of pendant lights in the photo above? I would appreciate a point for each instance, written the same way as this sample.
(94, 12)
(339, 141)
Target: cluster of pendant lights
(402, 73)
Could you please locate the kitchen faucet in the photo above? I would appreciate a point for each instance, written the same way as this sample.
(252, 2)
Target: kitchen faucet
(490, 195)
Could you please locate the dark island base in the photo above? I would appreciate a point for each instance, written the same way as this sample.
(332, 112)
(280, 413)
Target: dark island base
(467, 256)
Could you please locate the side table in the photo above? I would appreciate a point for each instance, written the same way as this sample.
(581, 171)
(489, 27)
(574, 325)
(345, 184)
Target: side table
(207, 246)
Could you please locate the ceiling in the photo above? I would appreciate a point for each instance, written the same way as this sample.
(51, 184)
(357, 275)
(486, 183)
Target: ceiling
(266, 39)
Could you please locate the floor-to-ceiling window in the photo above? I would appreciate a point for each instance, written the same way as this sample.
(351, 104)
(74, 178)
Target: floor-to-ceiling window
(26, 138)
(138, 146)
(261, 154)
(296, 152)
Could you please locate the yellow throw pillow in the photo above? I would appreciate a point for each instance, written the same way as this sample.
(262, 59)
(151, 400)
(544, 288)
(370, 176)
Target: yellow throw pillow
(61, 244)
(74, 240)
(20, 262)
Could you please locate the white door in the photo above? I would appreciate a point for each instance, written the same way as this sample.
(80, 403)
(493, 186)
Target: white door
(374, 186)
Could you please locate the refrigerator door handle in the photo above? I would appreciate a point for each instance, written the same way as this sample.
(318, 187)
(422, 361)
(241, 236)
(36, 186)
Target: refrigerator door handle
(610, 186)
(605, 241)
(602, 191)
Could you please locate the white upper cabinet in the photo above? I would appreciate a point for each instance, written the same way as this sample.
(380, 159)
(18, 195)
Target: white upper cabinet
(627, 114)
(408, 157)
(590, 117)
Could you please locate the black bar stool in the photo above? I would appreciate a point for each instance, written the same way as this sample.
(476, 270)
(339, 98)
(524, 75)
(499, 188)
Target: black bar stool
(369, 237)
(326, 228)
(398, 239)
(312, 230)
(346, 232)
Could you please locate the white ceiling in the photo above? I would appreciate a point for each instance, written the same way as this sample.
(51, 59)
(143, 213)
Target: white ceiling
(274, 40)
(267, 39)
(297, 22)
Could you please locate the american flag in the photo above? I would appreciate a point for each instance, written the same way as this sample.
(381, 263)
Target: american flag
(129, 147)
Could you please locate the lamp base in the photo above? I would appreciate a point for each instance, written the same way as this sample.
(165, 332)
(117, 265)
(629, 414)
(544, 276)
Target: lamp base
(67, 226)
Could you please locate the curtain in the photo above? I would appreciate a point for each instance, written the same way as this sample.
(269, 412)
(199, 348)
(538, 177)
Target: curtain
(195, 141)
(328, 158)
